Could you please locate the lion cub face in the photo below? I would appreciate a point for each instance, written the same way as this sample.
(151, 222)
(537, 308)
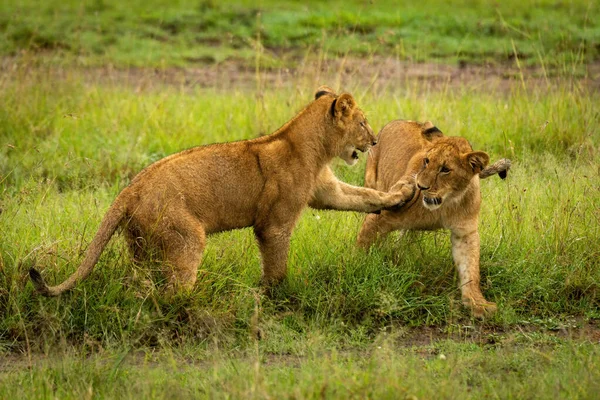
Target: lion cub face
(359, 137)
(448, 167)
(357, 133)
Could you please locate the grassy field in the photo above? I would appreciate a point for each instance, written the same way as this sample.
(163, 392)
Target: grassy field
(159, 33)
(449, 369)
(76, 124)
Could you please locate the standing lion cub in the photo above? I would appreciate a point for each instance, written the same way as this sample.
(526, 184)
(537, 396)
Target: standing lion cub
(264, 183)
(446, 172)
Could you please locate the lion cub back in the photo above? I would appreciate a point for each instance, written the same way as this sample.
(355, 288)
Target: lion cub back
(397, 143)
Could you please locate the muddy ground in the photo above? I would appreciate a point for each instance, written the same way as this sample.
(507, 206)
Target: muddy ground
(419, 341)
(379, 74)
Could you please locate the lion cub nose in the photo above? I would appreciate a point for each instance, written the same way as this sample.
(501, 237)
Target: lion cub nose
(421, 187)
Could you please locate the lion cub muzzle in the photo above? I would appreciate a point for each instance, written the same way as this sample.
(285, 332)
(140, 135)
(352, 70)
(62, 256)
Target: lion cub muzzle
(430, 200)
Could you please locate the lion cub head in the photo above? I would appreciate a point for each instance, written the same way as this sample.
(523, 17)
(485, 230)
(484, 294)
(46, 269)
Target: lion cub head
(449, 164)
(355, 132)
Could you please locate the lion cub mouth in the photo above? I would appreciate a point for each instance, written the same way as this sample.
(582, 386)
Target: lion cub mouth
(350, 154)
(364, 149)
(432, 202)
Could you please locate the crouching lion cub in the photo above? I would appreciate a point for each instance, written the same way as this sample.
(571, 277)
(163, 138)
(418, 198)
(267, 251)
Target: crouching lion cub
(262, 183)
(446, 172)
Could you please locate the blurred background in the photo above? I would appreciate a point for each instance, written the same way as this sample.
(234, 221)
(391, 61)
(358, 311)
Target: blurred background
(369, 40)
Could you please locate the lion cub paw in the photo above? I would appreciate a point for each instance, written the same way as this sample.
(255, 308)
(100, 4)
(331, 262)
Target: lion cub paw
(403, 192)
(481, 308)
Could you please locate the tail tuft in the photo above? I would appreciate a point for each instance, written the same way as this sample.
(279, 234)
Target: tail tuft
(500, 167)
(38, 282)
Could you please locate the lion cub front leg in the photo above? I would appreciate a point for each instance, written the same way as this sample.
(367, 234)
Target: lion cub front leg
(333, 194)
(274, 245)
(465, 251)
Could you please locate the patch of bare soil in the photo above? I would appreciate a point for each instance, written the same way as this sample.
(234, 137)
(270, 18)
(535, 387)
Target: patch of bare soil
(379, 74)
(490, 335)
(419, 341)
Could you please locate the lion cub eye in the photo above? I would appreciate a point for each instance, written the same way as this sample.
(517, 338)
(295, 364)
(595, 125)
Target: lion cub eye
(425, 161)
(444, 170)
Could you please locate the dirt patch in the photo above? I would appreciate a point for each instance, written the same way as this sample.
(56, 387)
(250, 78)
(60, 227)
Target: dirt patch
(420, 341)
(489, 335)
(378, 74)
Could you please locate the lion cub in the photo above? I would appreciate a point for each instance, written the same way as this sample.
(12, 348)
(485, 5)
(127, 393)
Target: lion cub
(263, 183)
(446, 172)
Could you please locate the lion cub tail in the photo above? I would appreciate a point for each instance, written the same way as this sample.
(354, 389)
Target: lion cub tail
(500, 167)
(109, 225)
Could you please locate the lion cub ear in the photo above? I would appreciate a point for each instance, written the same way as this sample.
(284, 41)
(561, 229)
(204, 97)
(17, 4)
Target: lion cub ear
(343, 105)
(430, 131)
(478, 160)
(323, 90)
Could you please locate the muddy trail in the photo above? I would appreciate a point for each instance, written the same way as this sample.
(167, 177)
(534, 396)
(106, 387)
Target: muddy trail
(377, 74)
(419, 341)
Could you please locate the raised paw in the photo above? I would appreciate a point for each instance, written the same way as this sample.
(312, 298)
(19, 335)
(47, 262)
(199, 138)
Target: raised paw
(403, 192)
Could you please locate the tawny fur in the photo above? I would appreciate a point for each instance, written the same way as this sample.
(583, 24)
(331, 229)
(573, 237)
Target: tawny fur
(446, 172)
(263, 183)
(500, 167)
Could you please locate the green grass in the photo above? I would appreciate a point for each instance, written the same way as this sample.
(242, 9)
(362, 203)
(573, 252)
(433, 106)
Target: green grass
(159, 33)
(70, 146)
(445, 370)
(344, 324)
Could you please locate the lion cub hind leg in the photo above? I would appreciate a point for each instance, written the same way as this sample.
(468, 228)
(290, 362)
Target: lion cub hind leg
(138, 245)
(182, 242)
(465, 251)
